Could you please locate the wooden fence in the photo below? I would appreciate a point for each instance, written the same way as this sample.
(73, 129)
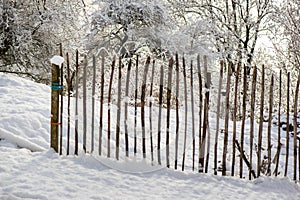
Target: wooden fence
(179, 115)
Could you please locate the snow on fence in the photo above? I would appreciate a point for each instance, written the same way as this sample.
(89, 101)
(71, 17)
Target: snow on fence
(229, 120)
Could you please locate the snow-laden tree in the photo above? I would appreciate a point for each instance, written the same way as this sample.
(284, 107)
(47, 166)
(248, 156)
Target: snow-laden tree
(286, 35)
(128, 26)
(30, 31)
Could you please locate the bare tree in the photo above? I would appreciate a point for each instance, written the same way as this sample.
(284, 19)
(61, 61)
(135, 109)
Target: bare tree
(235, 25)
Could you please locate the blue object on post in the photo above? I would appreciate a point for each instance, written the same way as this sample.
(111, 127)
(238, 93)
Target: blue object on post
(55, 86)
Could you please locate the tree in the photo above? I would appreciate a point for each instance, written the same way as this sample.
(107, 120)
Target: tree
(30, 32)
(286, 35)
(127, 27)
(235, 25)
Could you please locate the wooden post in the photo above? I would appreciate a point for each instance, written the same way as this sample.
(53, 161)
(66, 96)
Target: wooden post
(93, 103)
(54, 107)
(252, 116)
(200, 113)
(69, 117)
(150, 112)
(101, 105)
(61, 103)
(135, 103)
(218, 119)
(143, 95)
(185, 111)
(226, 120)
(269, 125)
(169, 86)
(84, 102)
(109, 105)
(193, 115)
(295, 126)
(261, 120)
(161, 90)
(177, 111)
(207, 79)
(279, 127)
(243, 119)
(237, 74)
(55, 87)
(126, 108)
(287, 124)
(76, 104)
(118, 129)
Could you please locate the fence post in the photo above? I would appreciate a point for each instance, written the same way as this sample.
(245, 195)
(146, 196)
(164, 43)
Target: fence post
(56, 62)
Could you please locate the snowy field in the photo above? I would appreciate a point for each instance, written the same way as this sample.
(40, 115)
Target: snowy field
(29, 170)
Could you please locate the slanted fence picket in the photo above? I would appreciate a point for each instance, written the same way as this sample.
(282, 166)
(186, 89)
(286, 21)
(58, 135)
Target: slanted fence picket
(145, 109)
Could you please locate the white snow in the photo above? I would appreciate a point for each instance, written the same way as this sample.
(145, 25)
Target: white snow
(30, 170)
(57, 60)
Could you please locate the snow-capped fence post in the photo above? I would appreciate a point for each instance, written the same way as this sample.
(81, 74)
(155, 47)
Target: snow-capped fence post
(56, 62)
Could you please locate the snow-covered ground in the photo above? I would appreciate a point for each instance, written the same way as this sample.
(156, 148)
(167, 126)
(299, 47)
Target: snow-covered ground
(30, 170)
